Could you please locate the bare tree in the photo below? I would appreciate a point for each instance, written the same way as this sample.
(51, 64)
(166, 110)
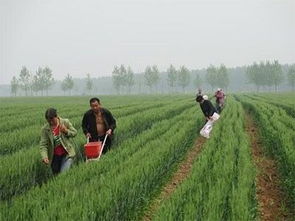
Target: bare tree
(25, 80)
(172, 77)
(14, 86)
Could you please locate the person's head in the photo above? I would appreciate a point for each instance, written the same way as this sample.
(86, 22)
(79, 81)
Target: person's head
(51, 116)
(199, 99)
(218, 89)
(95, 104)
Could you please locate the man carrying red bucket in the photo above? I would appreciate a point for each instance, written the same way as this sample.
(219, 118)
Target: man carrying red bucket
(97, 123)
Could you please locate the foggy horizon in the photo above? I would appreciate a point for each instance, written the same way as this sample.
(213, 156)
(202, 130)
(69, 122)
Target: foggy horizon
(80, 37)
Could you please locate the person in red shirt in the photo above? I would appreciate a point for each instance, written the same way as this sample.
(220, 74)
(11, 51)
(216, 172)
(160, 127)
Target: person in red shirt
(220, 97)
(56, 147)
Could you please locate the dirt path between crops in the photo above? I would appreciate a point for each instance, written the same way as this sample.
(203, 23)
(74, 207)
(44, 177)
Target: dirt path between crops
(178, 177)
(270, 196)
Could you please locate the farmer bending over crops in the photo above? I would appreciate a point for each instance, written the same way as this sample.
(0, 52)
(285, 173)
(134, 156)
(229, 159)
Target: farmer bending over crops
(97, 122)
(56, 147)
(210, 114)
(206, 106)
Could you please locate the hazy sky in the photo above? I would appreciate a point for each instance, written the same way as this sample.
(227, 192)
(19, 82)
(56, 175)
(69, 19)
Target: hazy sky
(91, 36)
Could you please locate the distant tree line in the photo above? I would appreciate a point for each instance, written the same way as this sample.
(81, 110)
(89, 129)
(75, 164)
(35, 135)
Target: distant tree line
(42, 81)
(216, 76)
(32, 84)
(291, 77)
(123, 79)
(264, 75)
(269, 74)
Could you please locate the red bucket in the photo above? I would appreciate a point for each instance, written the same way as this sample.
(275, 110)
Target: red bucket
(92, 149)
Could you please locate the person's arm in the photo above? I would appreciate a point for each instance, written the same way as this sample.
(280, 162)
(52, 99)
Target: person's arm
(70, 130)
(111, 120)
(84, 124)
(44, 142)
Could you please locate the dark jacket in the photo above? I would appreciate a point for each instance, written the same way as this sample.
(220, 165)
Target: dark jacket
(207, 108)
(89, 122)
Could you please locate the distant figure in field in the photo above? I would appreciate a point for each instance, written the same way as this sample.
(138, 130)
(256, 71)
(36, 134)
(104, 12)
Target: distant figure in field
(199, 93)
(210, 113)
(97, 122)
(220, 97)
(56, 147)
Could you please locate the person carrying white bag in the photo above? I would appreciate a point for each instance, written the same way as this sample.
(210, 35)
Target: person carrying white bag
(210, 114)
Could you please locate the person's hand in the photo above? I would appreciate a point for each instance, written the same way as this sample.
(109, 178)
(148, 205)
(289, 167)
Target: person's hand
(45, 160)
(88, 135)
(208, 118)
(63, 129)
(109, 132)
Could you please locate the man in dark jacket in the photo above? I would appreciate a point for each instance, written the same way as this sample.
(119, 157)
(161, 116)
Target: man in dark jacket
(210, 114)
(206, 106)
(97, 122)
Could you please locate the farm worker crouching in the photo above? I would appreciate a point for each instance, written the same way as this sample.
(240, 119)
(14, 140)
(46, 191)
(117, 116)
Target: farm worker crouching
(97, 122)
(56, 147)
(220, 96)
(210, 113)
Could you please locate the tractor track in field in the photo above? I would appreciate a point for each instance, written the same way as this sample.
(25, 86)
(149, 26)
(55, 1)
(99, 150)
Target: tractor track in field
(269, 194)
(182, 172)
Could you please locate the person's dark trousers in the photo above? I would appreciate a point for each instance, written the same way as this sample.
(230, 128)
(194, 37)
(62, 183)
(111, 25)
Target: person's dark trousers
(218, 108)
(60, 164)
(108, 143)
